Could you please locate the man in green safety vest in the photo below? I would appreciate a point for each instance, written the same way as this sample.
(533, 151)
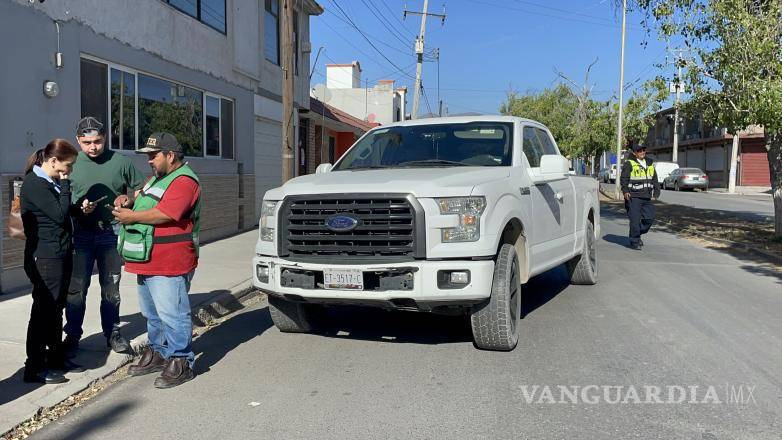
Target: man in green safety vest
(159, 243)
(639, 186)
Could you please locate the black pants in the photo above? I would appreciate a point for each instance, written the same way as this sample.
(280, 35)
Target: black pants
(50, 278)
(640, 211)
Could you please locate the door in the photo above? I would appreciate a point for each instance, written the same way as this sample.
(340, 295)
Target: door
(268, 158)
(551, 205)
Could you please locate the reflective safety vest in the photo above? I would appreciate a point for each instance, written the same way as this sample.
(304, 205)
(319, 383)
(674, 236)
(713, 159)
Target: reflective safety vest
(136, 240)
(641, 178)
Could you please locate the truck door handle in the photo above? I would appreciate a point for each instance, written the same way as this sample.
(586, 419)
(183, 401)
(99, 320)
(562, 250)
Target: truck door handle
(559, 196)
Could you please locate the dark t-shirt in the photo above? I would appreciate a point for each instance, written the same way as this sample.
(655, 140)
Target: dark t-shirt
(109, 174)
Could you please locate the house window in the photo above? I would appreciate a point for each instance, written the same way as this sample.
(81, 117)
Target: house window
(168, 106)
(219, 127)
(271, 31)
(134, 105)
(123, 110)
(94, 99)
(209, 12)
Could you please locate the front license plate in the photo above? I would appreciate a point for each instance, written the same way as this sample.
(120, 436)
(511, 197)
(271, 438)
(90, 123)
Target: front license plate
(345, 279)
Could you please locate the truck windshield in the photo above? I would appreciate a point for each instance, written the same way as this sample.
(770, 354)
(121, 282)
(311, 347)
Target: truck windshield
(484, 144)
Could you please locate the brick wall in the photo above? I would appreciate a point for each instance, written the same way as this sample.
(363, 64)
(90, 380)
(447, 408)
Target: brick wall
(228, 207)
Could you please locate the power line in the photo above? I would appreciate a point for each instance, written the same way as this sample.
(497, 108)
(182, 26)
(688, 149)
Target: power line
(347, 40)
(386, 24)
(397, 19)
(560, 17)
(426, 98)
(379, 40)
(365, 37)
(551, 8)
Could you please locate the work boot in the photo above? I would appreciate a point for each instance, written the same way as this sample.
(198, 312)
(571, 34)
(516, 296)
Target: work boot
(44, 376)
(150, 362)
(70, 346)
(640, 243)
(177, 372)
(635, 247)
(118, 343)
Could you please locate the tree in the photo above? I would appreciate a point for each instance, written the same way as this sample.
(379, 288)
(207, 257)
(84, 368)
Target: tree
(735, 73)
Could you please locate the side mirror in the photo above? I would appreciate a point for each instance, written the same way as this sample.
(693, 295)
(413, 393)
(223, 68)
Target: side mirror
(552, 167)
(323, 168)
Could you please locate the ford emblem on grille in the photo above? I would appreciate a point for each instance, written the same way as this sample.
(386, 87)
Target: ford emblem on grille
(341, 223)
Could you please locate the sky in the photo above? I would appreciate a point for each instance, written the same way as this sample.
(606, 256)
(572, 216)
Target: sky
(487, 47)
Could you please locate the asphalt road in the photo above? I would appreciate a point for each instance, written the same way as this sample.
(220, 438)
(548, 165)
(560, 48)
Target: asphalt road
(675, 314)
(752, 207)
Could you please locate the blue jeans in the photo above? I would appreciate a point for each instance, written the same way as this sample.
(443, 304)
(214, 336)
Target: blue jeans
(91, 246)
(165, 304)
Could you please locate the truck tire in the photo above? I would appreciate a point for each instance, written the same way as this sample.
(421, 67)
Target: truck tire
(583, 268)
(495, 322)
(292, 317)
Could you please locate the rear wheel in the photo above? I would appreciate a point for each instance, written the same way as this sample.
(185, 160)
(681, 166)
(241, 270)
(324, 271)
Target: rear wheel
(583, 268)
(676, 187)
(495, 322)
(291, 317)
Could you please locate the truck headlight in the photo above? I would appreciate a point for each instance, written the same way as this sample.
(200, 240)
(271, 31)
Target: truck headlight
(469, 210)
(267, 220)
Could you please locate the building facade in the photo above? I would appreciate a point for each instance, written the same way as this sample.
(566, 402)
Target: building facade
(382, 103)
(709, 148)
(206, 70)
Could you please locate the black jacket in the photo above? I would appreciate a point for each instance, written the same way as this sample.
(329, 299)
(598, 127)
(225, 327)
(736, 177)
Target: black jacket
(645, 193)
(46, 217)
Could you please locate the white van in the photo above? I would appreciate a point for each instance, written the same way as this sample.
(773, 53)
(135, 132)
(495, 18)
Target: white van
(664, 169)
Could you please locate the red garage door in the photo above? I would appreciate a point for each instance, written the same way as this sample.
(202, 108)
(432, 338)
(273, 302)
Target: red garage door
(754, 166)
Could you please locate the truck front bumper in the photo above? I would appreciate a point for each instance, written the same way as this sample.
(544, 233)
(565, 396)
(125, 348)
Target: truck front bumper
(420, 289)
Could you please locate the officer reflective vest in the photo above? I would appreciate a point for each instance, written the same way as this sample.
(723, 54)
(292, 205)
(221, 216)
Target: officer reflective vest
(136, 240)
(641, 178)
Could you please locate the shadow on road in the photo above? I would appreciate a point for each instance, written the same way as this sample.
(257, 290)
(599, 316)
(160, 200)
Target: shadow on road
(213, 345)
(87, 427)
(621, 240)
(542, 289)
(394, 326)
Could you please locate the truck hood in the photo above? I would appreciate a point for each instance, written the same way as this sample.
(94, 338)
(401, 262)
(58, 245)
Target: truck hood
(421, 182)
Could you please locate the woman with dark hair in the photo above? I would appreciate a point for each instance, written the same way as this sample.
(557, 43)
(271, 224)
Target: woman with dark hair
(45, 206)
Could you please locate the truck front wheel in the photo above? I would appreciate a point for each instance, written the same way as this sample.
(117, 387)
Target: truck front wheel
(495, 322)
(291, 317)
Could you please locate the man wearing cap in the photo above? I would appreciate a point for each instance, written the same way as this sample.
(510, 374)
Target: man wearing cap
(159, 242)
(639, 185)
(99, 176)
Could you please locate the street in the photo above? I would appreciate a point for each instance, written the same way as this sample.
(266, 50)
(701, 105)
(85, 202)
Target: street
(675, 314)
(752, 207)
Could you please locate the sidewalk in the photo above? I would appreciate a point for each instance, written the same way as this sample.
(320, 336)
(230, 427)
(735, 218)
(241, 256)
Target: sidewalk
(745, 191)
(224, 272)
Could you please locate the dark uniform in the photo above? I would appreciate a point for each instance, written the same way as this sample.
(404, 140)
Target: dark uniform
(641, 183)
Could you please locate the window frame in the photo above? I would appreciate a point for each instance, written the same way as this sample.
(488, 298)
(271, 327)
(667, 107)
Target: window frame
(276, 62)
(198, 14)
(135, 72)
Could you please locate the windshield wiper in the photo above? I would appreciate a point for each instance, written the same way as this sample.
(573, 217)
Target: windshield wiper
(432, 162)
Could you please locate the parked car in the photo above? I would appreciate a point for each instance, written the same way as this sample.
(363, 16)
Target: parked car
(442, 215)
(664, 169)
(607, 175)
(686, 178)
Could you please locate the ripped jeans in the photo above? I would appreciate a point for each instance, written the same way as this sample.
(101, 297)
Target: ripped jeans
(91, 246)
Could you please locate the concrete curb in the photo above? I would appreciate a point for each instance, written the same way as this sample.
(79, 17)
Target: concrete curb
(204, 315)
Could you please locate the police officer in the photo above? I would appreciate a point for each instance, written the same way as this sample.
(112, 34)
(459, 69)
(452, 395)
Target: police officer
(639, 185)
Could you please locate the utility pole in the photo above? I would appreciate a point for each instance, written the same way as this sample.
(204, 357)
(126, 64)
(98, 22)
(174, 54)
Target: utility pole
(419, 51)
(678, 88)
(617, 184)
(288, 147)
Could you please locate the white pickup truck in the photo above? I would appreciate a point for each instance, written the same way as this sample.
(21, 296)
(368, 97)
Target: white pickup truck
(445, 215)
